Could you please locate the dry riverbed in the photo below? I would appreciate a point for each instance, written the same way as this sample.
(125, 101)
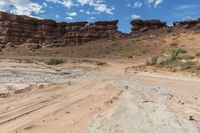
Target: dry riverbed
(86, 98)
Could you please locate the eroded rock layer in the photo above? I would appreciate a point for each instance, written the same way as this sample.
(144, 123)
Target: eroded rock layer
(20, 29)
(192, 24)
(145, 25)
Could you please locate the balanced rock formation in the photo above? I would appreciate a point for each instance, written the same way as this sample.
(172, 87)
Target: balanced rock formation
(18, 29)
(145, 25)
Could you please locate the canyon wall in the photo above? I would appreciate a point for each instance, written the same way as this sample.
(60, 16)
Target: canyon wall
(157, 27)
(20, 29)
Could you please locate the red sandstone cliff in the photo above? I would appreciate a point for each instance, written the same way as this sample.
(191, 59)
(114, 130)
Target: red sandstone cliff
(19, 29)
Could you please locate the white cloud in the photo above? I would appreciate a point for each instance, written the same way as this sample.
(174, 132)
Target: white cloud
(21, 7)
(128, 5)
(57, 16)
(134, 16)
(184, 7)
(82, 10)
(83, 2)
(91, 19)
(155, 2)
(102, 8)
(69, 18)
(137, 4)
(72, 14)
(88, 12)
(65, 3)
(98, 5)
(44, 4)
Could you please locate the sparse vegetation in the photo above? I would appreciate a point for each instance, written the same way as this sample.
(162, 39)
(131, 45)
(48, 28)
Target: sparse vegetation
(112, 39)
(191, 38)
(114, 44)
(175, 59)
(198, 54)
(173, 44)
(24, 61)
(54, 61)
(132, 53)
(99, 63)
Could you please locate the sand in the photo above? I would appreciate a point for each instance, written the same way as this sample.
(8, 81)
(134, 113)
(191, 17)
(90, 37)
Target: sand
(98, 99)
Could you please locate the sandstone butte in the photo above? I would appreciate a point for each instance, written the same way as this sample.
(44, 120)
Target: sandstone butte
(19, 29)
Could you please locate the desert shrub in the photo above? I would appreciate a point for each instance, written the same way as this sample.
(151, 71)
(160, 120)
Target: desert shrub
(174, 53)
(132, 53)
(153, 61)
(24, 61)
(148, 46)
(191, 38)
(99, 63)
(198, 54)
(169, 30)
(148, 62)
(188, 65)
(170, 55)
(54, 61)
(173, 44)
(163, 59)
(176, 59)
(114, 44)
(185, 57)
(198, 67)
(113, 39)
(181, 50)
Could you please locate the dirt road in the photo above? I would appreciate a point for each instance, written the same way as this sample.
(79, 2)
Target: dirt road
(104, 100)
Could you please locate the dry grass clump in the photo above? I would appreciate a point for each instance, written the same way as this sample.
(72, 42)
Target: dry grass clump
(175, 59)
(54, 61)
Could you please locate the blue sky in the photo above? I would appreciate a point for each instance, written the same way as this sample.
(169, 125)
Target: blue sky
(95, 10)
